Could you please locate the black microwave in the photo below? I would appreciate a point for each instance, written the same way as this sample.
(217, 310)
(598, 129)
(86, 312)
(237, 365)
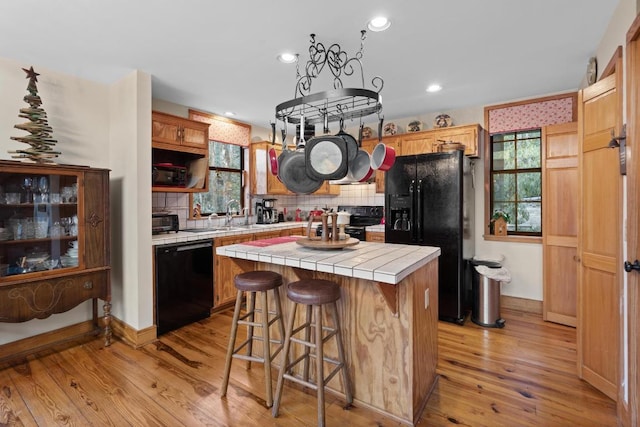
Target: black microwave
(166, 174)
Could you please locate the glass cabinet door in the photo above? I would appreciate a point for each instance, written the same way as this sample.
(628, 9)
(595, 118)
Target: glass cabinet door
(38, 222)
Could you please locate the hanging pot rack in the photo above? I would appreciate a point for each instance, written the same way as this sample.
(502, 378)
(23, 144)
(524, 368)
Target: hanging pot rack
(330, 106)
(338, 103)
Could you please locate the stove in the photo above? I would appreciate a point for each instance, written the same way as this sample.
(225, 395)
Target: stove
(361, 217)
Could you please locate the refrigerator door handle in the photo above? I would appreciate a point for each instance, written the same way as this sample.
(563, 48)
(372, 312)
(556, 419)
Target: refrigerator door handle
(418, 223)
(409, 226)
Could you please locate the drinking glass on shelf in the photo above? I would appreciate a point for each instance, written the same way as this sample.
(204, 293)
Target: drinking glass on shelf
(57, 230)
(43, 188)
(28, 228)
(16, 228)
(42, 227)
(67, 193)
(27, 185)
(66, 223)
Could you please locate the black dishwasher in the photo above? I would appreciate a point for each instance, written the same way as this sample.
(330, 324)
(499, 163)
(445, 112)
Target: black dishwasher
(184, 284)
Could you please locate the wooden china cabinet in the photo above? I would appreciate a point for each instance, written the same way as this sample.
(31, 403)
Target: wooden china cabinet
(54, 245)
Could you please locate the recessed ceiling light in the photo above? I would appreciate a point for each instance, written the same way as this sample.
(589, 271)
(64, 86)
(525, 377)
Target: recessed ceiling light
(434, 88)
(288, 58)
(229, 113)
(379, 23)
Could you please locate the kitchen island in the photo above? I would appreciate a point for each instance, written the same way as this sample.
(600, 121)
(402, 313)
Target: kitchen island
(388, 311)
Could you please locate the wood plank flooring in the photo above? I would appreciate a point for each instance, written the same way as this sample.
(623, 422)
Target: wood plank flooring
(522, 375)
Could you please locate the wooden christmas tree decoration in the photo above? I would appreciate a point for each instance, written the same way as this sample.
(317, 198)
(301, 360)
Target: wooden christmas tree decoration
(40, 141)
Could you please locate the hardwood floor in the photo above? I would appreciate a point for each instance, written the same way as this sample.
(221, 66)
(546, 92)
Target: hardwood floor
(522, 375)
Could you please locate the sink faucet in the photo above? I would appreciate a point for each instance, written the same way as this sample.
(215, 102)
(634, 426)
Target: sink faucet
(229, 216)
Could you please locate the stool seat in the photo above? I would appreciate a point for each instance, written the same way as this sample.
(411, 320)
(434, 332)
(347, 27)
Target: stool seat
(256, 281)
(313, 292)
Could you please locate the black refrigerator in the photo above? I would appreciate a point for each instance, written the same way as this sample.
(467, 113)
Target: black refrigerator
(429, 201)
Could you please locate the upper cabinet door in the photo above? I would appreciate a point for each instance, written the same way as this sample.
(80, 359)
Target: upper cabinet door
(417, 143)
(179, 134)
(195, 134)
(165, 130)
(471, 136)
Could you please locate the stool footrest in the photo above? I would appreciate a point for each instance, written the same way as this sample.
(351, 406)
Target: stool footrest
(300, 381)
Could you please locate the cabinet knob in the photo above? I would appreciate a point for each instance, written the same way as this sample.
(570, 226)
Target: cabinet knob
(88, 284)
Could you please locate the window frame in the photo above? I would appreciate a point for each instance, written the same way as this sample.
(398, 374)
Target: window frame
(515, 171)
(210, 169)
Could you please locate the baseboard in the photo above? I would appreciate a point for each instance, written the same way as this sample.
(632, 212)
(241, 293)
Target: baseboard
(52, 340)
(521, 304)
(133, 337)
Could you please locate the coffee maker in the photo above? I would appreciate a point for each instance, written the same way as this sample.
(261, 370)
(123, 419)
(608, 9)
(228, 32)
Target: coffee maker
(270, 213)
(260, 213)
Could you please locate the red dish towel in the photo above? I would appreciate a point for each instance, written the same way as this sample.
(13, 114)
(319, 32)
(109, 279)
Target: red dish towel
(272, 241)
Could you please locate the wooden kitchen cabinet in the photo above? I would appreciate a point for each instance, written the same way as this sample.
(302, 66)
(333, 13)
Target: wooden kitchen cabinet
(560, 223)
(375, 236)
(182, 142)
(54, 244)
(263, 182)
(225, 269)
(175, 133)
(472, 136)
(418, 143)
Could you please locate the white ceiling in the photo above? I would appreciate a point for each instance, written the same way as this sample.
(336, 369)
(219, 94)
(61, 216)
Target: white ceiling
(221, 56)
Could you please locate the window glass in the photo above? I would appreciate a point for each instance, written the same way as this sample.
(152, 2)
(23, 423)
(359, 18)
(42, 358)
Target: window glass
(226, 162)
(516, 178)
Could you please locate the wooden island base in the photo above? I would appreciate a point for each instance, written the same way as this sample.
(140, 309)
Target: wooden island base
(391, 351)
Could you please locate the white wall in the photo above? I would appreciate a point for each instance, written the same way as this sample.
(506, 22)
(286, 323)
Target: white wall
(130, 148)
(78, 111)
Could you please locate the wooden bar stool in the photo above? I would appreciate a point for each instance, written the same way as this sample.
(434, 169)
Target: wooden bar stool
(254, 282)
(314, 294)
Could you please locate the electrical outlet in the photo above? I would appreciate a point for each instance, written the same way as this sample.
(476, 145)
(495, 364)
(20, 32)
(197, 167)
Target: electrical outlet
(426, 299)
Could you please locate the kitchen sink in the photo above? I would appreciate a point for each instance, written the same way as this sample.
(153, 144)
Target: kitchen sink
(202, 230)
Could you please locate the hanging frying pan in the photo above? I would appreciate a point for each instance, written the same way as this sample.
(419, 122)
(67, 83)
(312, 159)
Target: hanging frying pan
(326, 157)
(352, 144)
(292, 171)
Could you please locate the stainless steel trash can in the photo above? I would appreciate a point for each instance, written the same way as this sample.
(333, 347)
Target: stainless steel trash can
(486, 297)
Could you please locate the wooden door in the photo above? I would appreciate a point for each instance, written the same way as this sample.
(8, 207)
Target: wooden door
(560, 223)
(599, 236)
(628, 400)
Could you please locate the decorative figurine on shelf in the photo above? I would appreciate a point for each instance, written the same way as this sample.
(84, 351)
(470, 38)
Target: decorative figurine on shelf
(197, 211)
(498, 223)
(415, 126)
(41, 150)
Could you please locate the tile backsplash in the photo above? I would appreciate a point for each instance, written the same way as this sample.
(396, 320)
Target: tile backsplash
(352, 195)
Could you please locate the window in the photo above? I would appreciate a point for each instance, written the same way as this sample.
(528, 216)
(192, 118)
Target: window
(226, 163)
(516, 180)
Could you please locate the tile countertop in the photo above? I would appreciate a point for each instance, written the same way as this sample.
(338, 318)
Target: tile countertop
(382, 262)
(184, 236)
